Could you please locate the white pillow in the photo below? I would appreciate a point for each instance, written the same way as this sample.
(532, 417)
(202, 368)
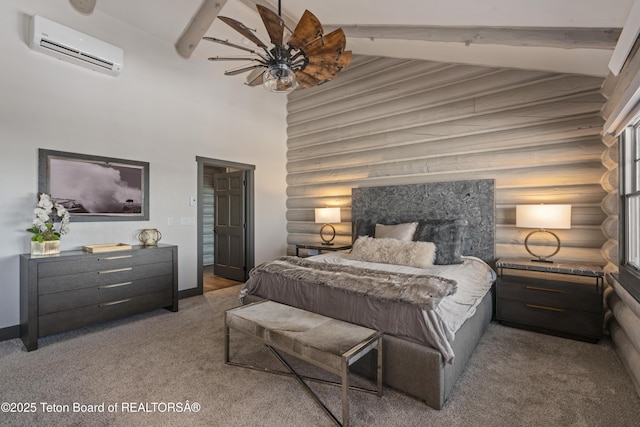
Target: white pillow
(398, 231)
(394, 251)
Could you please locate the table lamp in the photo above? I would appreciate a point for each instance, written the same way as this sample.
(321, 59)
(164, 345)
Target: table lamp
(543, 217)
(325, 216)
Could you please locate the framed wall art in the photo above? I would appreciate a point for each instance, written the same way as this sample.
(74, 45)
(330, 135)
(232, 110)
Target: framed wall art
(94, 188)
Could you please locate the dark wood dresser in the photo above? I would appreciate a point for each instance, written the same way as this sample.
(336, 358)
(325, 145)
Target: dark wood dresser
(563, 299)
(75, 289)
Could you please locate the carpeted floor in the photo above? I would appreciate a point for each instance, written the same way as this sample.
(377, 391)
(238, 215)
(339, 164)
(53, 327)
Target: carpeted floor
(140, 366)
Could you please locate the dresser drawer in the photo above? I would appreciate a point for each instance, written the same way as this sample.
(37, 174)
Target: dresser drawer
(59, 301)
(101, 262)
(549, 317)
(61, 321)
(559, 294)
(89, 279)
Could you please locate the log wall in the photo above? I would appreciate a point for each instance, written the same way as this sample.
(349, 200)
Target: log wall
(624, 314)
(388, 121)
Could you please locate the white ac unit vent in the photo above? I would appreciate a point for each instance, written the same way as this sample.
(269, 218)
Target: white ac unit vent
(73, 46)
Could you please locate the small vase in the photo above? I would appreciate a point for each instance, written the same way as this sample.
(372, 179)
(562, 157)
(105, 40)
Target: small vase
(149, 236)
(50, 247)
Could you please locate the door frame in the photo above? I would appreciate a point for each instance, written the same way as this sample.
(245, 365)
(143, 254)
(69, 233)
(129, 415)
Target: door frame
(250, 214)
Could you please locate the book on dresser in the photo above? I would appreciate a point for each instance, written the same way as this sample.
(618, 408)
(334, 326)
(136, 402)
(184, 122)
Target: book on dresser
(75, 288)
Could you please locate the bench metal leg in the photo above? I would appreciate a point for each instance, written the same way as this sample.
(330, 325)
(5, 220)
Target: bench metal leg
(226, 340)
(379, 374)
(345, 392)
(311, 392)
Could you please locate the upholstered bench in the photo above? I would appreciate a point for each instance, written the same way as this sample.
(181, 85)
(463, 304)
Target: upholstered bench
(327, 343)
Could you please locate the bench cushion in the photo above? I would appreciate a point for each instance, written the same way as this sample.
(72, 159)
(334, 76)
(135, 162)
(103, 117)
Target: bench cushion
(316, 338)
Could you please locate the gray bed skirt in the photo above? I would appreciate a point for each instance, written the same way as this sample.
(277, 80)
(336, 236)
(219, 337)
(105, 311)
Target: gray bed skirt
(418, 370)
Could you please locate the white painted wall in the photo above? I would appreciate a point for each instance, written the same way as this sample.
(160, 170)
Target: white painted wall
(161, 109)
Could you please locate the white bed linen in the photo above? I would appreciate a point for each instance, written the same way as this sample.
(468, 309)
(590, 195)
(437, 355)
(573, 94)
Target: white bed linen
(474, 278)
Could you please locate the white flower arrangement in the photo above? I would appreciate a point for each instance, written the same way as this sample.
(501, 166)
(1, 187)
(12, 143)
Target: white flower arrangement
(43, 216)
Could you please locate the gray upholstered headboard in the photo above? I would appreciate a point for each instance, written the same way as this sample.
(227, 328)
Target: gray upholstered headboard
(472, 201)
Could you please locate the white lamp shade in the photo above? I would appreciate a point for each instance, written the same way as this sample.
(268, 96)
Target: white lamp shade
(327, 215)
(543, 216)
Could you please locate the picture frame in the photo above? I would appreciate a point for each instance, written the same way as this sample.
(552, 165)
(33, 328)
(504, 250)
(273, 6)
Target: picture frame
(95, 188)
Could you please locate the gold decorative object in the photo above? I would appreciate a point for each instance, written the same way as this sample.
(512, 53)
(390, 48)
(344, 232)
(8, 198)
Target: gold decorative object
(48, 247)
(149, 236)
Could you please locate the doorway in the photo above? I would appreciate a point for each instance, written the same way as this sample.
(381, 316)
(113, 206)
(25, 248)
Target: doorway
(225, 223)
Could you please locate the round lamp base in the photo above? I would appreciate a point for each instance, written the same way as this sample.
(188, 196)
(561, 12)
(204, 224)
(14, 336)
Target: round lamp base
(325, 241)
(542, 258)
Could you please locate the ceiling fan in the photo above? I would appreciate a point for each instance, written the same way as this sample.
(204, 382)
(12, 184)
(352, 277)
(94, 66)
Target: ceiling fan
(308, 58)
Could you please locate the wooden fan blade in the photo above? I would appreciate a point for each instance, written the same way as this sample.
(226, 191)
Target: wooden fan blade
(242, 29)
(255, 77)
(334, 42)
(327, 67)
(345, 60)
(241, 70)
(306, 31)
(227, 43)
(233, 58)
(320, 71)
(83, 6)
(273, 23)
(306, 80)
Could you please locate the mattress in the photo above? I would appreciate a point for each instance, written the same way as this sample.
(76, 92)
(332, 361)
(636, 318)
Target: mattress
(435, 328)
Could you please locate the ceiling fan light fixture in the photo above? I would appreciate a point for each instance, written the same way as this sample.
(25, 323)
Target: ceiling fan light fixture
(307, 58)
(279, 77)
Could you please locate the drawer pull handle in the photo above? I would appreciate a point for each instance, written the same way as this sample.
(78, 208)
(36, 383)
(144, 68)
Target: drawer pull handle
(115, 285)
(542, 307)
(117, 270)
(115, 257)
(536, 288)
(122, 301)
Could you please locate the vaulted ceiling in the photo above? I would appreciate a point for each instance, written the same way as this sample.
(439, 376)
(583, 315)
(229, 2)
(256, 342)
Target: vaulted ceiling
(575, 36)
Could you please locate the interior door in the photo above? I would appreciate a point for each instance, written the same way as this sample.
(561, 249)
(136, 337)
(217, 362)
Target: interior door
(230, 225)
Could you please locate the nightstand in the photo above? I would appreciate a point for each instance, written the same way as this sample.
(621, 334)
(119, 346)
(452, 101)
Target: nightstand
(320, 248)
(563, 299)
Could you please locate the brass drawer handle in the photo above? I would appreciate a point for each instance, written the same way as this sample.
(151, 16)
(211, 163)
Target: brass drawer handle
(117, 270)
(115, 257)
(536, 288)
(122, 301)
(542, 307)
(115, 285)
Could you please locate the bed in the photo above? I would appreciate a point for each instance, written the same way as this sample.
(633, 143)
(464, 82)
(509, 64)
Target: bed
(430, 334)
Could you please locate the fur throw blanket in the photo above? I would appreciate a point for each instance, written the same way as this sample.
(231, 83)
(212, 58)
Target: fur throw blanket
(424, 291)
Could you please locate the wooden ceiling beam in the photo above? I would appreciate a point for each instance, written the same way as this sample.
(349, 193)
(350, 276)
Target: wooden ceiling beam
(85, 7)
(273, 5)
(564, 38)
(198, 26)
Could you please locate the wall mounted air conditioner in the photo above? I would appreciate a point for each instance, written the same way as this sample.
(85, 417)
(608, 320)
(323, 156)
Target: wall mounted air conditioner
(73, 46)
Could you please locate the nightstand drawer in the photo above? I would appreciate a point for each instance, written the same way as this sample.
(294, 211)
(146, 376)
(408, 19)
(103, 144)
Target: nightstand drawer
(559, 294)
(549, 317)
